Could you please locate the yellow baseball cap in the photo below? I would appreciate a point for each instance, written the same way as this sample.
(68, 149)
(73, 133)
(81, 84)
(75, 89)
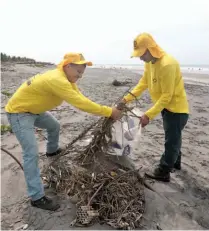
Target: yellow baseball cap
(143, 42)
(75, 58)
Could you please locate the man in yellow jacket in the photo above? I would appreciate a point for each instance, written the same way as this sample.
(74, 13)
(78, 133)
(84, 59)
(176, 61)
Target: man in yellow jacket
(162, 77)
(28, 108)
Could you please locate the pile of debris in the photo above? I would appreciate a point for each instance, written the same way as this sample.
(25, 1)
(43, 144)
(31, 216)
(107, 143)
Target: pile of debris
(104, 191)
(114, 197)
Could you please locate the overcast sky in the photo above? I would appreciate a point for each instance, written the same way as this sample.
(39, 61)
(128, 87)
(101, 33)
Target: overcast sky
(104, 30)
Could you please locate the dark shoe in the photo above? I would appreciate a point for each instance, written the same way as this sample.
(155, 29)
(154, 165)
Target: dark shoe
(59, 150)
(159, 174)
(45, 203)
(177, 166)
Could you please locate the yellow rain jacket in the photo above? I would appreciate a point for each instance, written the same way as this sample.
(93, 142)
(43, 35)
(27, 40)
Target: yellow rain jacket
(46, 91)
(163, 79)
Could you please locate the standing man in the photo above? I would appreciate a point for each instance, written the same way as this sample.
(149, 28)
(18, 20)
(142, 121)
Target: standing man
(162, 77)
(28, 107)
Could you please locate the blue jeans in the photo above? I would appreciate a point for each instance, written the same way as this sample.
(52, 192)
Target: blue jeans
(23, 127)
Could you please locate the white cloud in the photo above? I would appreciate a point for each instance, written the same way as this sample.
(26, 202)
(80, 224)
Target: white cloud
(104, 30)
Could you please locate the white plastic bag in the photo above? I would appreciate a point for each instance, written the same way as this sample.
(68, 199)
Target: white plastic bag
(126, 135)
(136, 142)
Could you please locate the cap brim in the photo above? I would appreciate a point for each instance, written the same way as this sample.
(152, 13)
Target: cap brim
(84, 62)
(138, 53)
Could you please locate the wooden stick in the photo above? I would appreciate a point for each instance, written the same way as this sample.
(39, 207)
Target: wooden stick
(95, 194)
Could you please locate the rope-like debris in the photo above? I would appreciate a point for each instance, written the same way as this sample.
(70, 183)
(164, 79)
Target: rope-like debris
(10, 154)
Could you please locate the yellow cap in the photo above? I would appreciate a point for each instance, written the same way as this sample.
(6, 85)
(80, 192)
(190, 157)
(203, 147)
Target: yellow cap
(75, 58)
(143, 42)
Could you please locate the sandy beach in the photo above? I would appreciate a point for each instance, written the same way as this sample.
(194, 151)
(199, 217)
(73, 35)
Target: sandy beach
(185, 200)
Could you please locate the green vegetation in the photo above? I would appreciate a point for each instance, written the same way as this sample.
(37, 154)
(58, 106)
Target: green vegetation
(5, 58)
(6, 93)
(5, 128)
(18, 59)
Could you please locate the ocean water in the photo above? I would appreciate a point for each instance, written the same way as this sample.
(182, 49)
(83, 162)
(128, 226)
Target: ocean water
(193, 69)
(193, 74)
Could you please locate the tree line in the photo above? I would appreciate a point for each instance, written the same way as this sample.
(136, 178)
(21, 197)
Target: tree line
(8, 58)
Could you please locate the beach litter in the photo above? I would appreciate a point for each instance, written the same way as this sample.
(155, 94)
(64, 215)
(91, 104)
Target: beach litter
(105, 191)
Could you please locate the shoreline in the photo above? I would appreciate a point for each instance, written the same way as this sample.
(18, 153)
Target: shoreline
(189, 78)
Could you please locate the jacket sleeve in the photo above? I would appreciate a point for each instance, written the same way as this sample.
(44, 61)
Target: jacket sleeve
(64, 90)
(76, 89)
(138, 89)
(167, 83)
